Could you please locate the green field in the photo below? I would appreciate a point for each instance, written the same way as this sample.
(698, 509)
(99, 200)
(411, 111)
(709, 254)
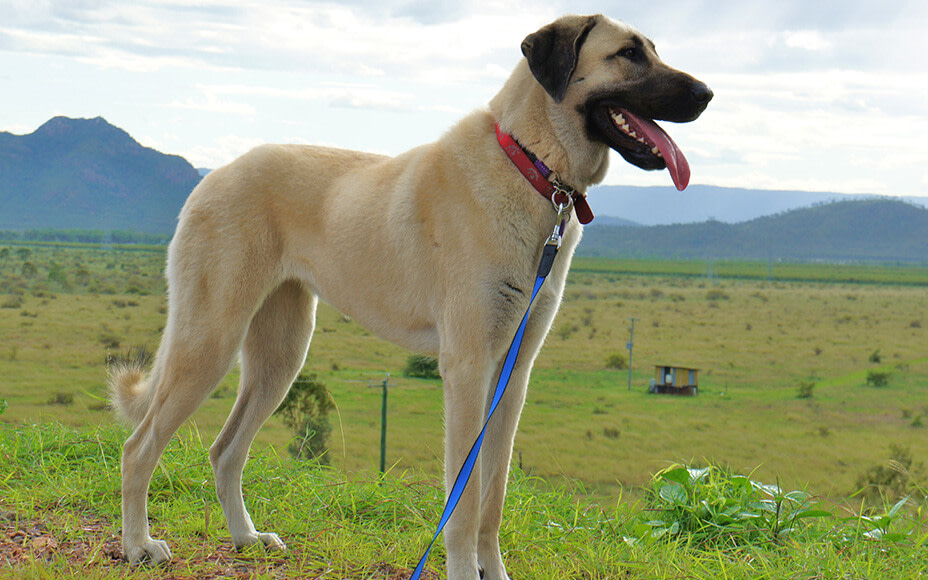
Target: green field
(59, 518)
(755, 340)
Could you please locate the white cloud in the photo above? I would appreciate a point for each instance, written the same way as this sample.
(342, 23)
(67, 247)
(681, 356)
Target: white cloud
(805, 93)
(811, 40)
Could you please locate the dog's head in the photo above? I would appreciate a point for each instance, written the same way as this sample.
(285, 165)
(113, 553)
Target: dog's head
(609, 75)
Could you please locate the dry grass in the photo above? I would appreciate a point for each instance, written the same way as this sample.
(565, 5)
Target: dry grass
(755, 342)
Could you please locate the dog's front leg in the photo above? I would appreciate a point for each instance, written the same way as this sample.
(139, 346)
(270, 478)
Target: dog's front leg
(494, 461)
(466, 381)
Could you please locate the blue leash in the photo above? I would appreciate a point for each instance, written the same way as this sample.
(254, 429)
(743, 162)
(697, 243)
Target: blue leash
(460, 482)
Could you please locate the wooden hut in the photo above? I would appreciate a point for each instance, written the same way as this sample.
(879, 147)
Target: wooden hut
(670, 380)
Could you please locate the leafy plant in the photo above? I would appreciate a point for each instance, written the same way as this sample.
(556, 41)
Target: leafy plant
(423, 367)
(616, 361)
(64, 399)
(714, 506)
(3, 405)
(805, 389)
(891, 480)
(878, 378)
(305, 410)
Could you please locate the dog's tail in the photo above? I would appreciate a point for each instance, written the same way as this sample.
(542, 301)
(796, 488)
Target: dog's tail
(130, 390)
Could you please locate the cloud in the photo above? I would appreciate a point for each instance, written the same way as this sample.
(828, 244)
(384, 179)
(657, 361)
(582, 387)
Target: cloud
(811, 40)
(796, 83)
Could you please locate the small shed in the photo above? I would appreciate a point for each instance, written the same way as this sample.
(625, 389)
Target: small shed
(670, 380)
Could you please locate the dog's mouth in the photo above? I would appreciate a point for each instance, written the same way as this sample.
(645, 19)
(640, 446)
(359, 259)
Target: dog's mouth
(640, 141)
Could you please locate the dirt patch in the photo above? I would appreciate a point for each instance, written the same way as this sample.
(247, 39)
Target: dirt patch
(26, 542)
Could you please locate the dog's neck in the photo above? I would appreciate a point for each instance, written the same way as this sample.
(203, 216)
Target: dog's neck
(541, 178)
(546, 130)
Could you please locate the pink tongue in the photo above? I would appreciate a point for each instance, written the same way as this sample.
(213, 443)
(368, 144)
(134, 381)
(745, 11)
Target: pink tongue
(676, 163)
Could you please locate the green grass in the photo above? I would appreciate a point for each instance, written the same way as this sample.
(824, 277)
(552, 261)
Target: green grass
(59, 509)
(755, 342)
(586, 448)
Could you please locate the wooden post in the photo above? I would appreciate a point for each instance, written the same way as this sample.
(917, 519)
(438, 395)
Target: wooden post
(631, 345)
(383, 427)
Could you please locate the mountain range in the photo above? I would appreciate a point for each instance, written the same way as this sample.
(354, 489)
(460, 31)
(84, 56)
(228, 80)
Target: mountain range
(876, 229)
(89, 174)
(652, 206)
(86, 174)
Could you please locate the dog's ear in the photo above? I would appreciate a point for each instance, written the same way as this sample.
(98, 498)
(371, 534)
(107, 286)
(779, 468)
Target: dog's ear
(552, 52)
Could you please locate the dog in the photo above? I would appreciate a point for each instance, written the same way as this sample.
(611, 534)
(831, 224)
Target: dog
(435, 249)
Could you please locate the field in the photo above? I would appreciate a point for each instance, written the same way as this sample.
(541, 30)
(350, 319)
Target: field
(757, 341)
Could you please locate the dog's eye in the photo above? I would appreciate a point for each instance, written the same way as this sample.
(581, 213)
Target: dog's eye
(631, 53)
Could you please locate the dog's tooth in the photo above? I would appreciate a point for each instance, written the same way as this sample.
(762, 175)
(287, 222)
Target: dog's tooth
(656, 151)
(633, 135)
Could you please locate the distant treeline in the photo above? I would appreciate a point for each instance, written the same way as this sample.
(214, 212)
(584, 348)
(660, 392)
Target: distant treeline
(85, 236)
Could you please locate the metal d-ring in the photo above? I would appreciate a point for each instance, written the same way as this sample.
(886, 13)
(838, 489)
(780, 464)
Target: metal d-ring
(565, 192)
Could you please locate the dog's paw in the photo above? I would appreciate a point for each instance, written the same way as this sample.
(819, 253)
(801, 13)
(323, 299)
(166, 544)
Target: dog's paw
(268, 540)
(272, 542)
(150, 551)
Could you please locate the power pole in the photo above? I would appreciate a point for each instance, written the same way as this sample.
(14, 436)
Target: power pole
(630, 346)
(383, 427)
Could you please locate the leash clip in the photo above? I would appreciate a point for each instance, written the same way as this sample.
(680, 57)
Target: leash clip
(563, 214)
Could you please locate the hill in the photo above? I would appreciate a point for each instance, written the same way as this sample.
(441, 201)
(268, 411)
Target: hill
(653, 206)
(883, 229)
(88, 174)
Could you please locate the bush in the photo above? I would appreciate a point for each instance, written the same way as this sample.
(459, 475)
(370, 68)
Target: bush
(12, 302)
(875, 357)
(805, 389)
(305, 410)
(3, 405)
(714, 506)
(717, 295)
(878, 378)
(892, 480)
(423, 367)
(64, 399)
(616, 361)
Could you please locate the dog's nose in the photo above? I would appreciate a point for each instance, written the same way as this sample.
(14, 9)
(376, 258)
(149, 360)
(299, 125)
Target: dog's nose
(702, 94)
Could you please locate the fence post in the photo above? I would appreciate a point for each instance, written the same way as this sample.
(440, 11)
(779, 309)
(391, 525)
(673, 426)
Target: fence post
(631, 345)
(383, 427)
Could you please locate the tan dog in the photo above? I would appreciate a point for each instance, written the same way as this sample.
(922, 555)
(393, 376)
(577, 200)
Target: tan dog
(435, 250)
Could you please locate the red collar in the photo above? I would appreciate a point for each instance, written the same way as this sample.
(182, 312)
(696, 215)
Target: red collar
(537, 174)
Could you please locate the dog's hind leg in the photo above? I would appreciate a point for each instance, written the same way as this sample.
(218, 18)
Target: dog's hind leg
(272, 355)
(194, 356)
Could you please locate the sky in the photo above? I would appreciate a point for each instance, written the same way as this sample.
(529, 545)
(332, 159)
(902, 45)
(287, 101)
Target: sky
(817, 96)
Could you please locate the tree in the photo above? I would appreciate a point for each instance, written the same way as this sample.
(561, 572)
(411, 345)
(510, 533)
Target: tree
(305, 411)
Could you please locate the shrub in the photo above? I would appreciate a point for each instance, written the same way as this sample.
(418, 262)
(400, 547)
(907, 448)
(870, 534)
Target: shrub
(878, 378)
(717, 507)
(109, 340)
(3, 406)
(423, 367)
(305, 410)
(616, 361)
(875, 357)
(892, 480)
(12, 302)
(29, 270)
(65, 399)
(805, 389)
(716, 295)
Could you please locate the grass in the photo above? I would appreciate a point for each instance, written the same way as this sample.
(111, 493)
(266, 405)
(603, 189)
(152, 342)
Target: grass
(59, 509)
(755, 348)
